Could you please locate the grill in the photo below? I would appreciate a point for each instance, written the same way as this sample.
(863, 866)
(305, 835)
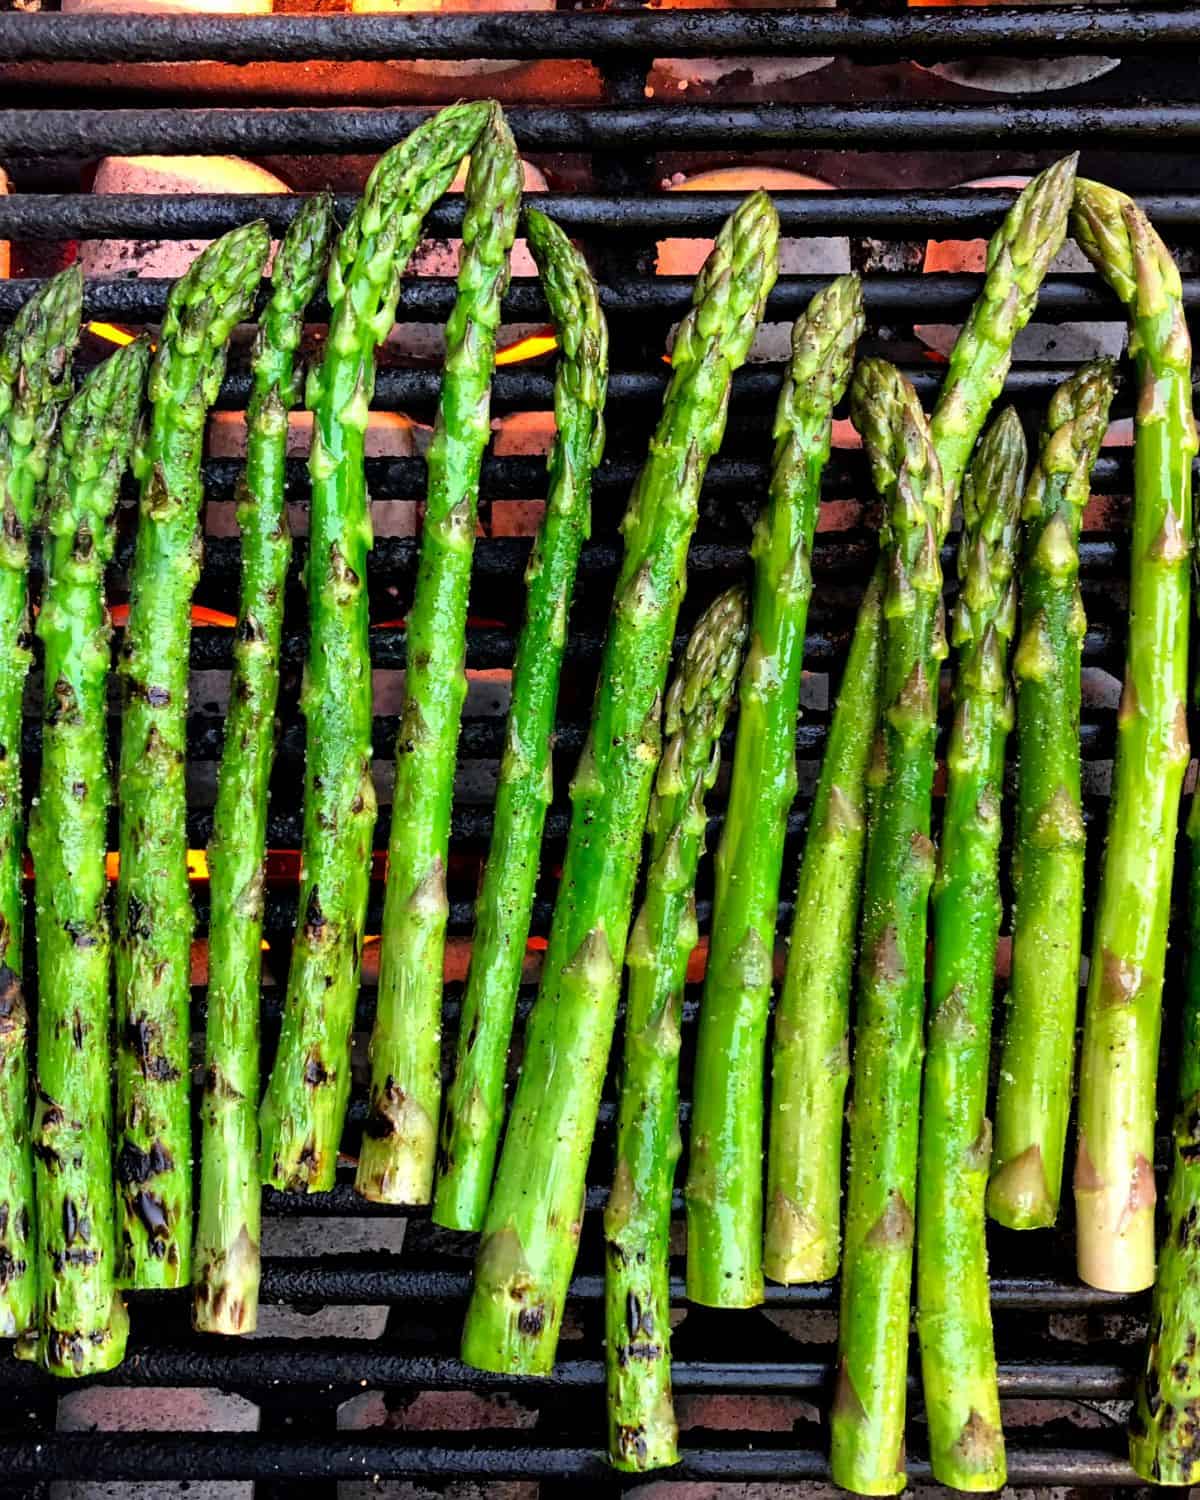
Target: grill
(586, 101)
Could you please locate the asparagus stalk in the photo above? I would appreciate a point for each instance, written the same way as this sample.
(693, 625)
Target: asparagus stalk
(954, 1316)
(305, 1102)
(868, 1412)
(532, 1227)
(817, 986)
(1114, 1174)
(810, 1062)
(724, 1190)
(35, 379)
(1018, 256)
(1164, 1444)
(398, 1151)
(637, 1223)
(1033, 1097)
(225, 1290)
(153, 911)
(475, 1104)
(82, 1322)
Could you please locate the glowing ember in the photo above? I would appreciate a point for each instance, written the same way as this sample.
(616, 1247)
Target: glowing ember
(111, 333)
(527, 348)
(197, 864)
(5, 262)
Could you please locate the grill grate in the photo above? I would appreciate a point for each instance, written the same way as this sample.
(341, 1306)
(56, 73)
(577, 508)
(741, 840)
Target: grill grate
(891, 138)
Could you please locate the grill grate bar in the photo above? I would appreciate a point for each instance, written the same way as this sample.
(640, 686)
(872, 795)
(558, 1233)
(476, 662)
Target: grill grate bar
(799, 33)
(430, 299)
(90, 133)
(873, 212)
(150, 1456)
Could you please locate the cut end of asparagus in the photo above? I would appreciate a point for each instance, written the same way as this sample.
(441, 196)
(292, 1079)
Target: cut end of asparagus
(797, 1250)
(1018, 1195)
(87, 1351)
(976, 1461)
(225, 1298)
(1114, 1226)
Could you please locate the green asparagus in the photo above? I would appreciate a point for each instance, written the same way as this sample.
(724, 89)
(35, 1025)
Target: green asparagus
(637, 1223)
(35, 379)
(475, 1104)
(1033, 1097)
(1114, 1173)
(810, 1063)
(954, 1315)
(532, 1227)
(82, 1323)
(153, 909)
(399, 1144)
(225, 1292)
(305, 1103)
(1164, 1439)
(724, 1189)
(868, 1412)
(817, 986)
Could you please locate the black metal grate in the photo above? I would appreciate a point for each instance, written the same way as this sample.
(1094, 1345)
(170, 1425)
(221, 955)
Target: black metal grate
(892, 139)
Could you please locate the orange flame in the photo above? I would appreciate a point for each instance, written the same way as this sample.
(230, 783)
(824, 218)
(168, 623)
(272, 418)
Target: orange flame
(201, 615)
(527, 348)
(111, 333)
(197, 864)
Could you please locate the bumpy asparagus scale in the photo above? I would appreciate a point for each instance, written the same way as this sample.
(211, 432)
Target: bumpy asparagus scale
(532, 1227)
(305, 1103)
(154, 911)
(954, 1316)
(637, 1223)
(868, 1412)
(82, 1324)
(724, 1189)
(1114, 1173)
(35, 379)
(474, 1109)
(1033, 1097)
(810, 1061)
(399, 1144)
(1164, 1437)
(225, 1292)
(817, 986)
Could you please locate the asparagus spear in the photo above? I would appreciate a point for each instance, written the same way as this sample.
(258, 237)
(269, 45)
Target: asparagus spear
(475, 1104)
(868, 1412)
(810, 1061)
(397, 1156)
(954, 1316)
(532, 1226)
(1033, 1097)
(1114, 1174)
(305, 1102)
(82, 1322)
(154, 912)
(1164, 1441)
(724, 1191)
(637, 1222)
(225, 1291)
(35, 379)
(816, 998)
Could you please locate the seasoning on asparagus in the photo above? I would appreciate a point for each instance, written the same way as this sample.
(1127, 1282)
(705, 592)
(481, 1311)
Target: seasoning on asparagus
(399, 1144)
(1114, 1172)
(1033, 1097)
(305, 1103)
(532, 1227)
(474, 1109)
(724, 1188)
(954, 1315)
(35, 379)
(816, 994)
(153, 908)
(82, 1323)
(1164, 1438)
(225, 1293)
(868, 1412)
(637, 1223)
(810, 1061)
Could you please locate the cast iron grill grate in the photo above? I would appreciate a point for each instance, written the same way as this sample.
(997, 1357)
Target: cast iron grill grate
(891, 138)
